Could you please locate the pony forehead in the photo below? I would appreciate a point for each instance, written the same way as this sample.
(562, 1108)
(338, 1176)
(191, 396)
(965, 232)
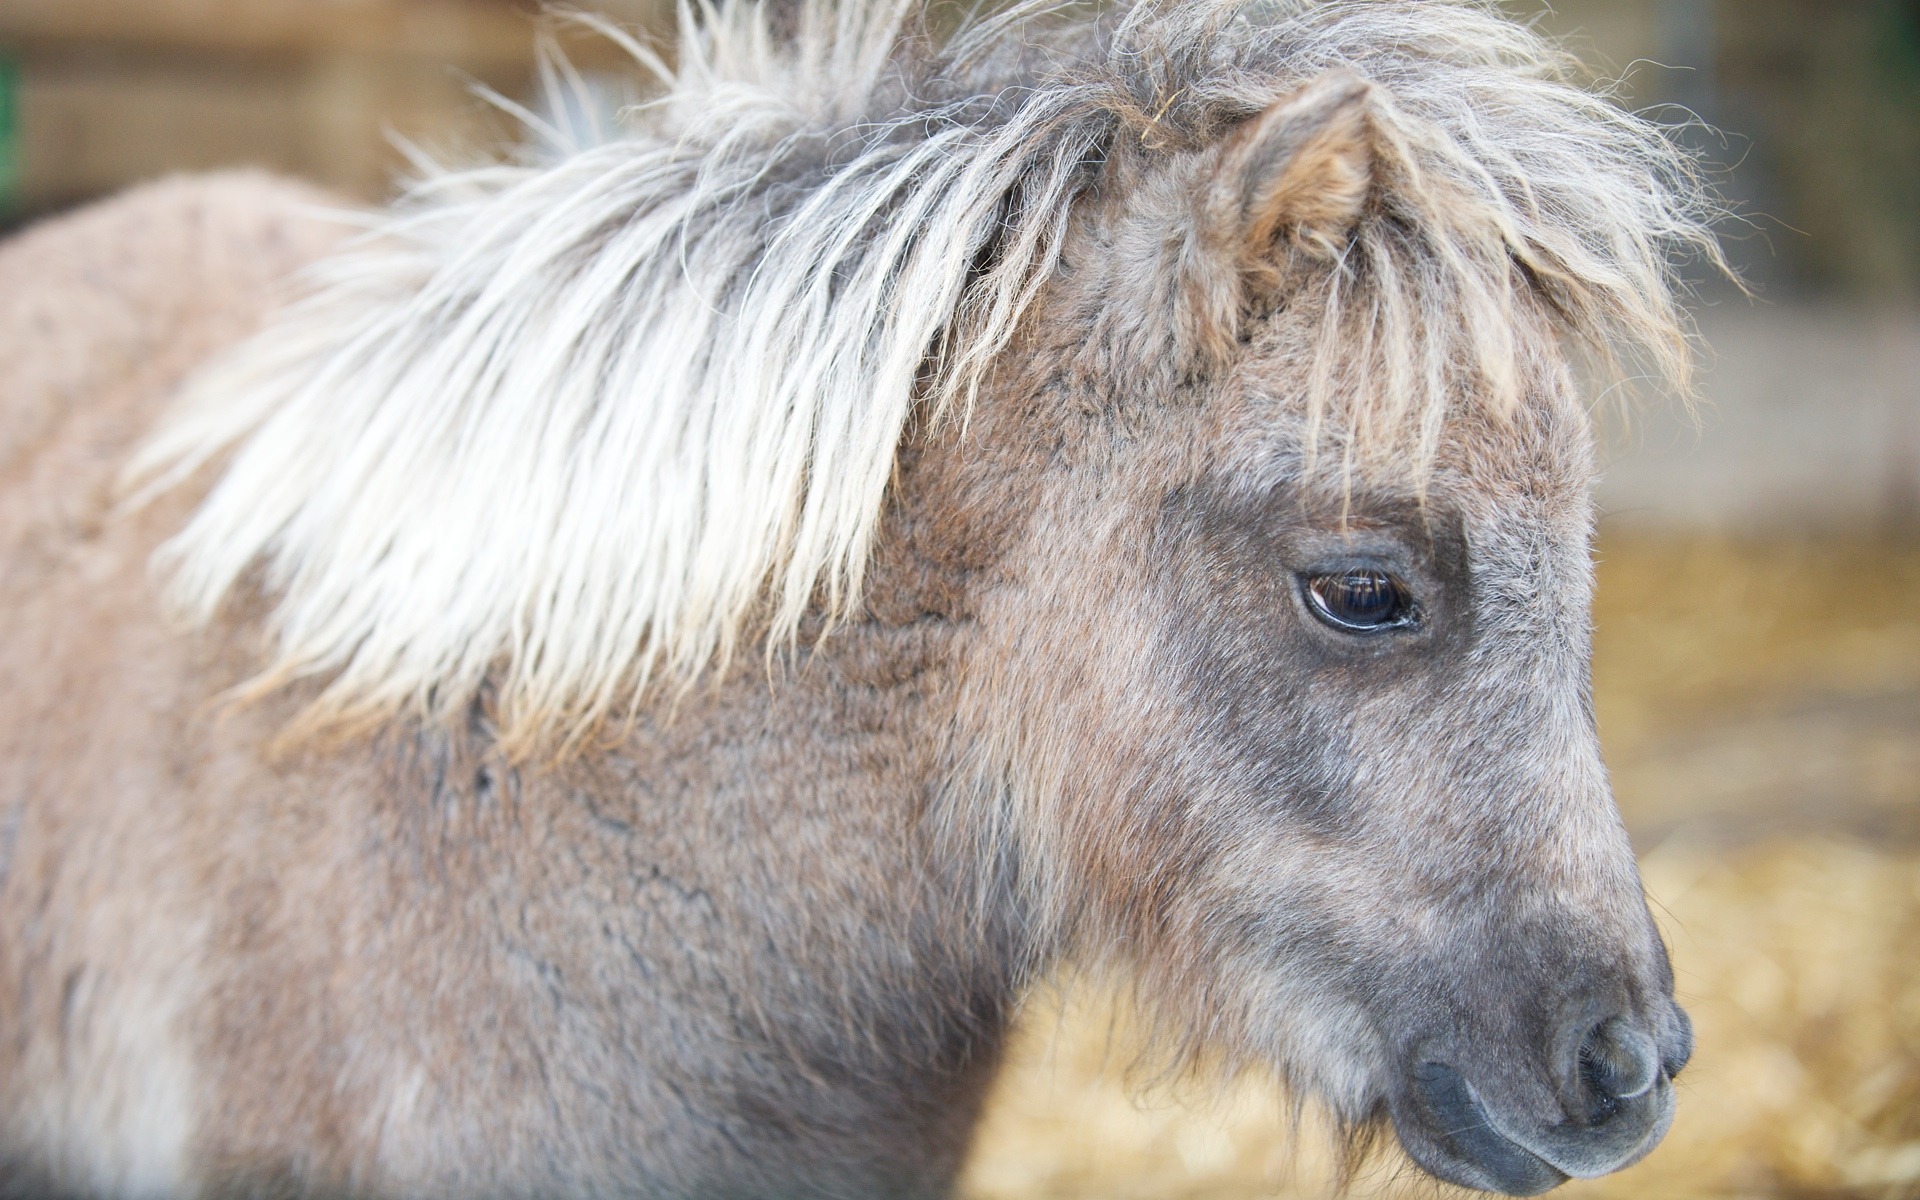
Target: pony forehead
(1514, 217)
(572, 428)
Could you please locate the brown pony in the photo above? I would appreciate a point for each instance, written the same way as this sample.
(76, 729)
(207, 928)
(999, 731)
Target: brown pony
(657, 643)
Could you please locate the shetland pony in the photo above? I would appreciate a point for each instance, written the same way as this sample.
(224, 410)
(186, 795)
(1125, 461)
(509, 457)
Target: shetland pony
(655, 644)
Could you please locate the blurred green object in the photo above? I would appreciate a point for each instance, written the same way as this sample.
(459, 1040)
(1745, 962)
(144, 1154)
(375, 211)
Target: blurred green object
(9, 132)
(1900, 21)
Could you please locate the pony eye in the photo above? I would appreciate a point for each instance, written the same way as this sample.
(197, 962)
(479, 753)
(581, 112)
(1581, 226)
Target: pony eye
(1360, 601)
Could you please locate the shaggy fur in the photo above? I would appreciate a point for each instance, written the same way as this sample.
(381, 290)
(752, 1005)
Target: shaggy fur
(1008, 463)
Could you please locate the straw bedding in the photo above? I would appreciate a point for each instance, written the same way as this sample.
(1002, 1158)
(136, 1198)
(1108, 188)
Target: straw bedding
(1761, 706)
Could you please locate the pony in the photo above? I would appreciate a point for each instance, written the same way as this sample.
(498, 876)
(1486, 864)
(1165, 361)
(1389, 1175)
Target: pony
(615, 674)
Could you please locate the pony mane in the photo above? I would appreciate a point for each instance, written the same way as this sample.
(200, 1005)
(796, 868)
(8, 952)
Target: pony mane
(566, 429)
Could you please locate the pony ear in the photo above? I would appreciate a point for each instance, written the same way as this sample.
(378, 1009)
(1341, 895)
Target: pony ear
(1300, 172)
(1293, 181)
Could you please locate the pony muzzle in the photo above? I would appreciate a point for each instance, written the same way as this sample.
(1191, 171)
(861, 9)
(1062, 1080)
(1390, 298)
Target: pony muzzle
(1617, 1102)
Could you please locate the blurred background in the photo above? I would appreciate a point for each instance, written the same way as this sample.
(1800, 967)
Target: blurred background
(1757, 666)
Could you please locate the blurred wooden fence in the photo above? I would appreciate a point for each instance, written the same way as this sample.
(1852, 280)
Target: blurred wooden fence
(112, 91)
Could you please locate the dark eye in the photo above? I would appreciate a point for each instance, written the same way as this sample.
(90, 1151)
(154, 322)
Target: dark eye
(1361, 600)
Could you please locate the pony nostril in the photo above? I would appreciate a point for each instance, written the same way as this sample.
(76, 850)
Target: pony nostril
(1618, 1061)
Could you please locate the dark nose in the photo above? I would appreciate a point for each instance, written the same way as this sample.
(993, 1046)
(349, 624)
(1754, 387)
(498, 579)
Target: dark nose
(1617, 1060)
(1615, 1104)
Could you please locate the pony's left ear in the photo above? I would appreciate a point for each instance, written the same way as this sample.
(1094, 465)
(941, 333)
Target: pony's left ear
(1291, 183)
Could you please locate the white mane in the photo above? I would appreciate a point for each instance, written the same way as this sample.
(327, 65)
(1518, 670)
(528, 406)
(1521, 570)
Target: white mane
(576, 427)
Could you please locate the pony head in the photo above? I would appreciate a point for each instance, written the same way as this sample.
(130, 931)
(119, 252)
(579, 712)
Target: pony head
(1218, 352)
